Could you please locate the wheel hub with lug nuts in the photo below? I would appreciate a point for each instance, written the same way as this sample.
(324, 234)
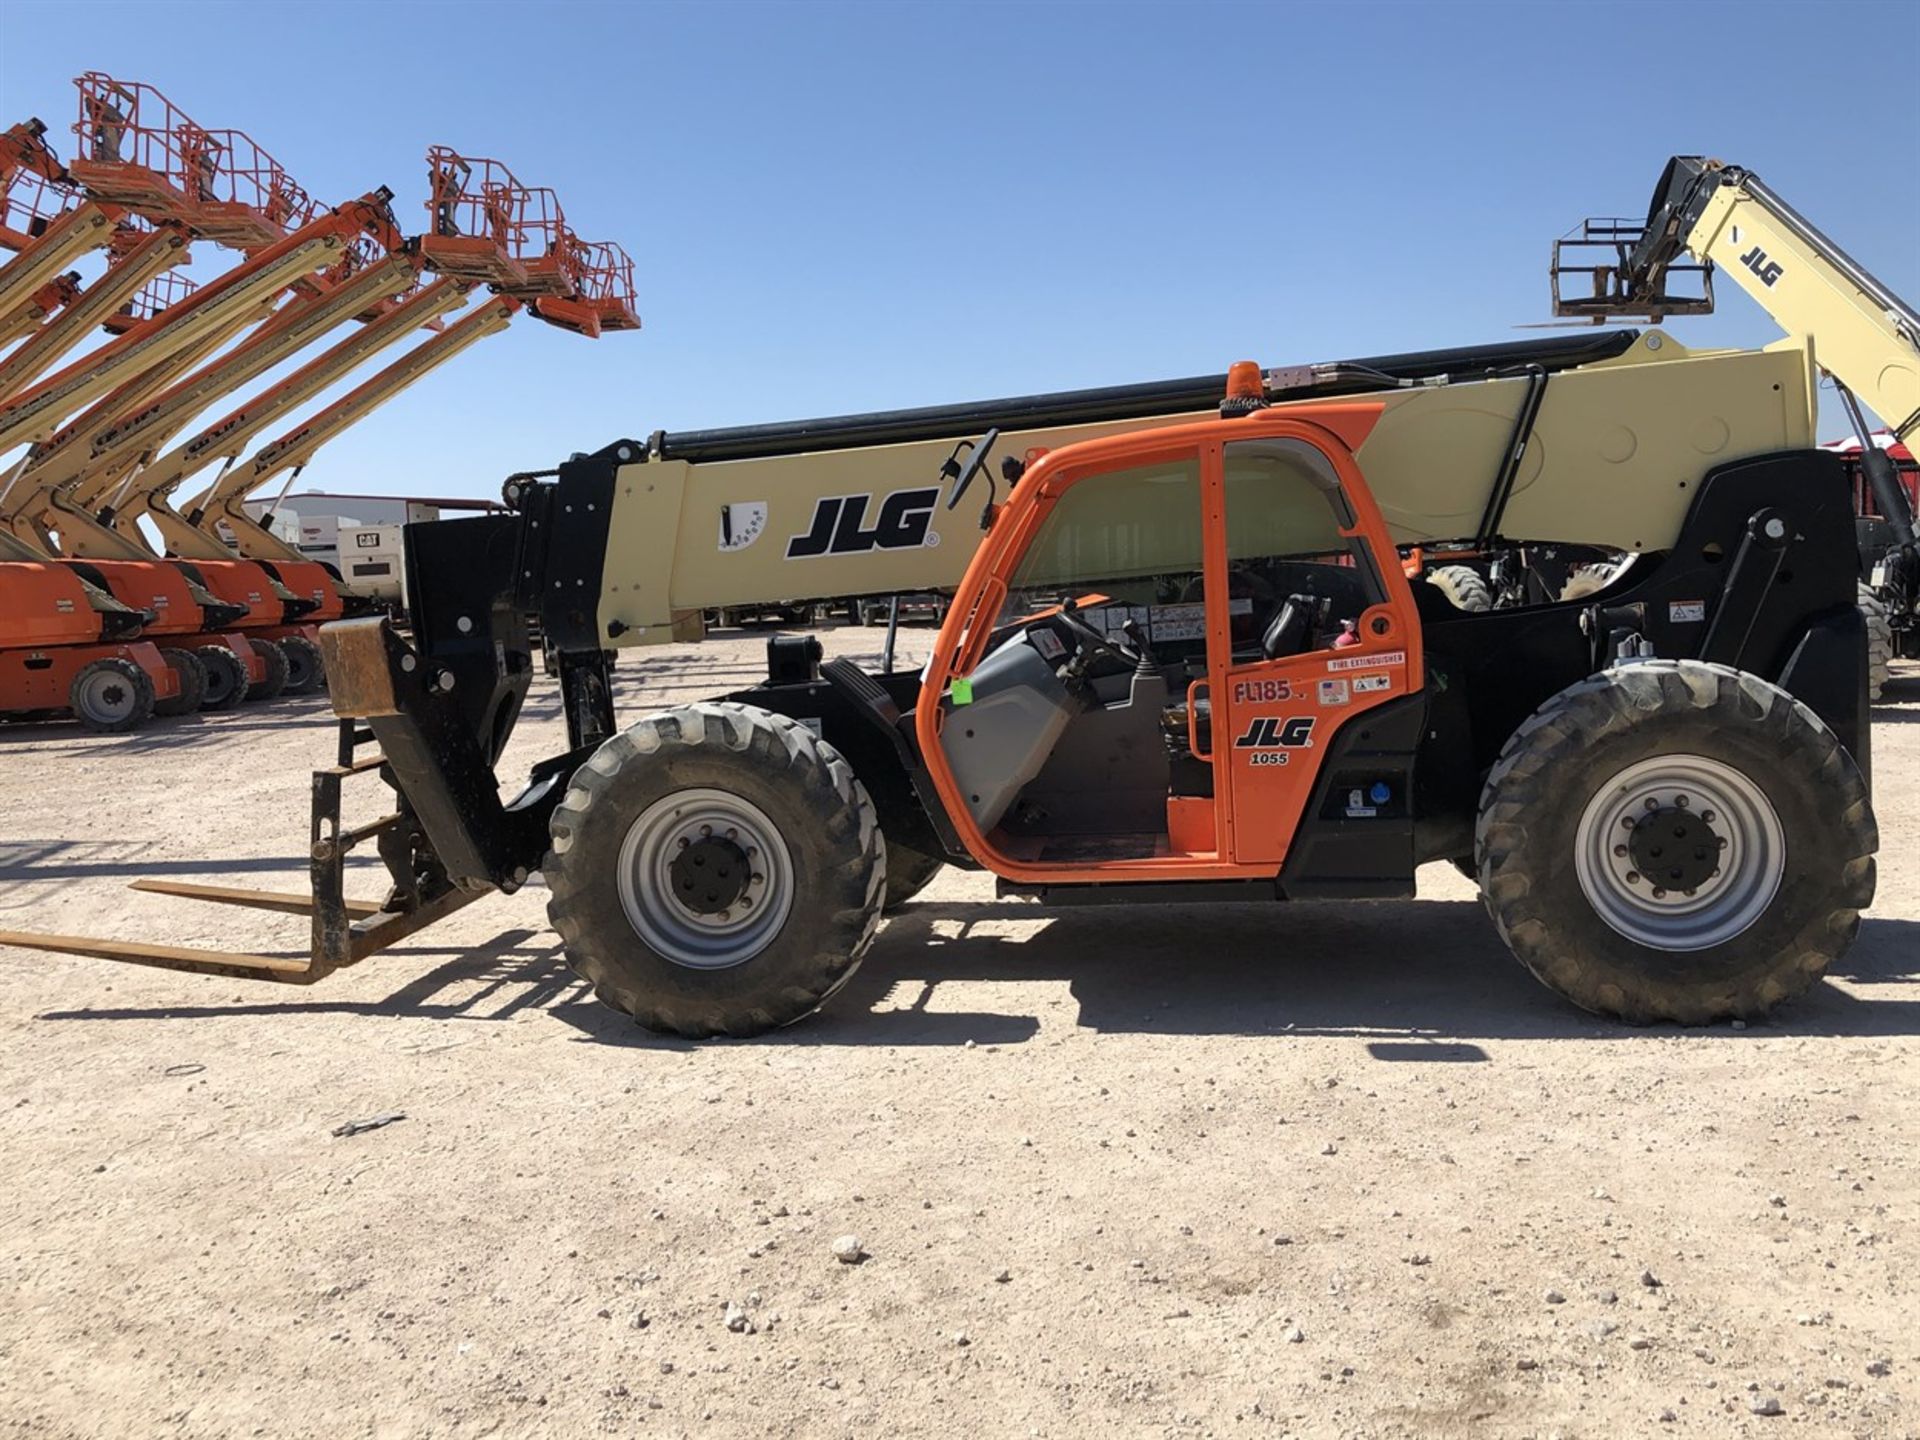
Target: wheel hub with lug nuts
(1680, 852)
(1676, 847)
(711, 875)
(705, 878)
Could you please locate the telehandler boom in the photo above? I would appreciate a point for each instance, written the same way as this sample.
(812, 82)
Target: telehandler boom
(1184, 661)
(1709, 217)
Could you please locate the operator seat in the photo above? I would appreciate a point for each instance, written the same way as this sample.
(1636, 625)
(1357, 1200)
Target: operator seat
(1291, 631)
(1293, 625)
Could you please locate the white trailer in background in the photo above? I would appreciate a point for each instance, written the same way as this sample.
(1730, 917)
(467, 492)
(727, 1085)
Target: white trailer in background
(361, 536)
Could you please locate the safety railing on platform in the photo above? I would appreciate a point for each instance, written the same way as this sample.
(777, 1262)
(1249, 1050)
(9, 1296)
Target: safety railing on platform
(164, 290)
(31, 204)
(476, 208)
(549, 252)
(602, 297)
(138, 149)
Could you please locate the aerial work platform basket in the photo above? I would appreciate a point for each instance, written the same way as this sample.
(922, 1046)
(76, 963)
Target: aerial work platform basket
(30, 206)
(549, 252)
(157, 295)
(490, 229)
(139, 150)
(476, 206)
(602, 298)
(37, 186)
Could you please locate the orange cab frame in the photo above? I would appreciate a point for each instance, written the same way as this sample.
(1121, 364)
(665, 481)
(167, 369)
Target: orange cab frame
(1244, 832)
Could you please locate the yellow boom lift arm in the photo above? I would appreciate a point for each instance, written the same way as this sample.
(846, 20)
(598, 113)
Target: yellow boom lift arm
(149, 488)
(1723, 217)
(85, 458)
(195, 533)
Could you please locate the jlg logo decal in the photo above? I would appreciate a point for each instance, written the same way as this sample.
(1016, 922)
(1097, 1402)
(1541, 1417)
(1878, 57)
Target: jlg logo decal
(1270, 737)
(839, 525)
(1756, 260)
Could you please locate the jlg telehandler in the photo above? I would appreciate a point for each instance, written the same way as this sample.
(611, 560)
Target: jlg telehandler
(1184, 661)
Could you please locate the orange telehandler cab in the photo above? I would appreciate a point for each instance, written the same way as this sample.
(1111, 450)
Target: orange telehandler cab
(1252, 608)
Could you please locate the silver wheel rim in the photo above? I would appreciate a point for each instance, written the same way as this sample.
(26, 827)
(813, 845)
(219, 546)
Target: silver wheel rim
(1750, 840)
(107, 697)
(653, 903)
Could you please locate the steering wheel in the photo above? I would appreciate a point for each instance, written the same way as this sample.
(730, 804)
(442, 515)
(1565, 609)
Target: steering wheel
(1096, 641)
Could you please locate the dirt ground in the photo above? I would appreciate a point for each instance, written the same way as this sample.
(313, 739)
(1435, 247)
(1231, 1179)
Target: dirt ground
(1252, 1170)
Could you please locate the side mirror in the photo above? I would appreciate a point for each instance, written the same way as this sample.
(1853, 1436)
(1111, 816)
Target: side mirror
(975, 461)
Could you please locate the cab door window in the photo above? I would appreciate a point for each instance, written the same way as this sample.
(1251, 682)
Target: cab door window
(1059, 747)
(1123, 546)
(1295, 583)
(1316, 653)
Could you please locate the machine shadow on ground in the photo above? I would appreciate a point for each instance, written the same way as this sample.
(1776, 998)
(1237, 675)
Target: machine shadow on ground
(1420, 981)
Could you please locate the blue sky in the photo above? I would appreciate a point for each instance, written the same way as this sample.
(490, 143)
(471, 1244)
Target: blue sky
(847, 207)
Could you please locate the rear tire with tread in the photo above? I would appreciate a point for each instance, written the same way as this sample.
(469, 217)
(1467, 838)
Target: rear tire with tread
(1585, 581)
(306, 670)
(1574, 747)
(192, 674)
(823, 816)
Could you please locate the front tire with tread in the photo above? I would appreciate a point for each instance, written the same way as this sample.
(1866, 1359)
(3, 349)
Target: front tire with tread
(271, 685)
(111, 696)
(1574, 746)
(306, 669)
(824, 817)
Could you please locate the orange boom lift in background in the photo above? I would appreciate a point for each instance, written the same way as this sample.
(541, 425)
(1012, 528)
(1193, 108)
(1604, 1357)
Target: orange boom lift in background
(236, 607)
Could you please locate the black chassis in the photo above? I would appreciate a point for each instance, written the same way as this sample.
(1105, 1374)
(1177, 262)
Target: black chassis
(1885, 546)
(1761, 578)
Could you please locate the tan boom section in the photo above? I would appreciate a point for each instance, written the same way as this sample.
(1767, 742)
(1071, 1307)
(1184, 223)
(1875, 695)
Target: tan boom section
(1625, 440)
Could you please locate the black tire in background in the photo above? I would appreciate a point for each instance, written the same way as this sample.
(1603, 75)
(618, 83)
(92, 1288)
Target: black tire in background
(306, 669)
(274, 682)
(226, 678)
(1879, 640)
(1585, 581)
(1463, 585)
(622, 882)
(193, 683)
(1557, 854)
(111, 696)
